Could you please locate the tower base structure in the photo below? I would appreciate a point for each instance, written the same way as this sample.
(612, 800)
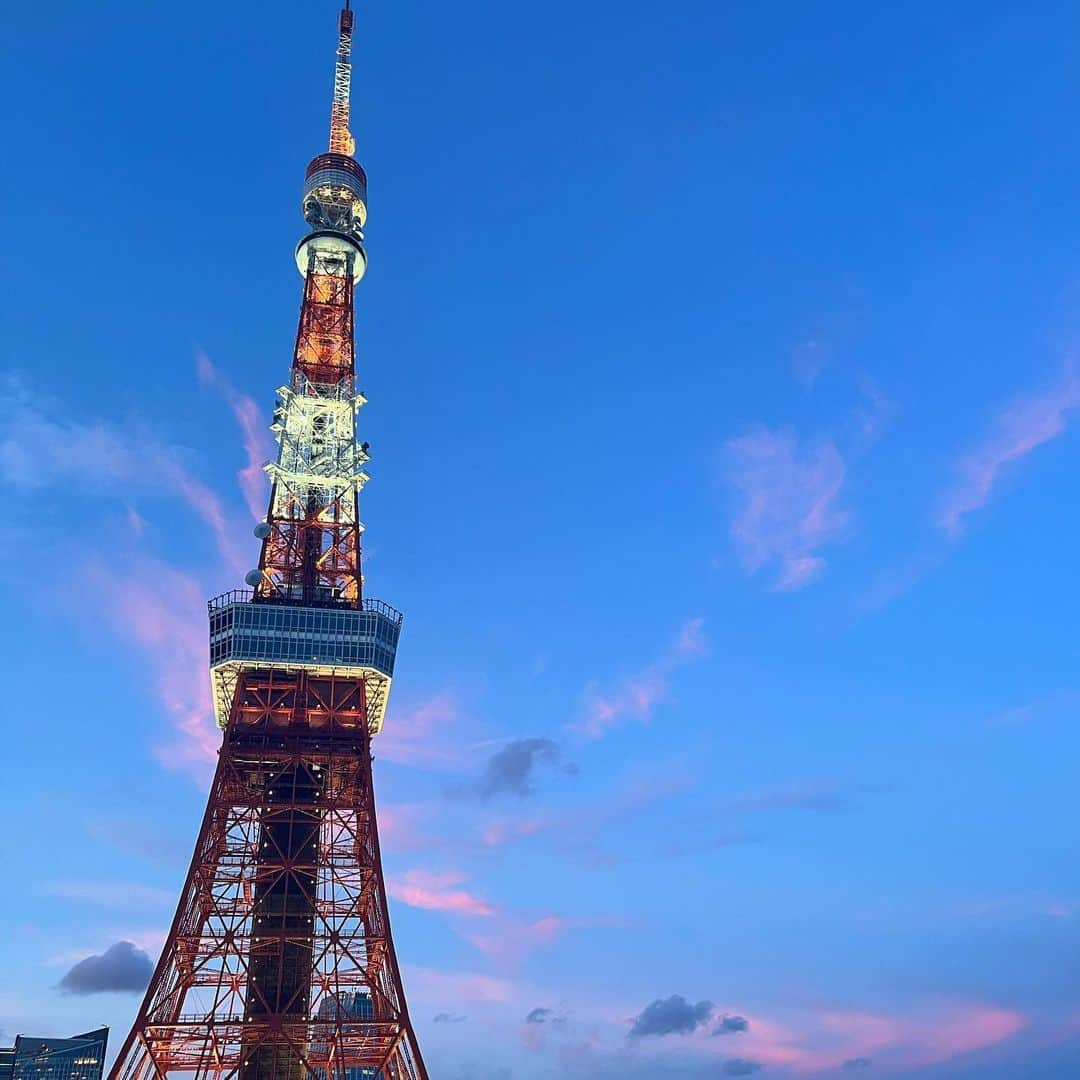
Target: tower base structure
(279, 964)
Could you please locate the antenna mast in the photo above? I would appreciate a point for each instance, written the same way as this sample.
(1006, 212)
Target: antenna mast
(341, 138)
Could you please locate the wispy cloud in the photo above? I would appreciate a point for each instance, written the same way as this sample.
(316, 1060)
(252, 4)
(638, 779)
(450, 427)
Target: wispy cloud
(427, 734)
(787, 496)
(542, 1015)
(824, 1039)
(505, 937)
(1022, 426)
(874, 410)
(637, 695)
(460, 987)
(741, 1067)
(156, 605)
(580, 824)
(42, 446)
(438, 891)
(498, 833)
(694, 1038)
(508, 939)
(1061, 704)
(401, 826)
(258, 445)
(145, 837)
(809, 359)
(1019, 906)
(116, 895)
(163, 611)
(811, 795)
(933, 1036)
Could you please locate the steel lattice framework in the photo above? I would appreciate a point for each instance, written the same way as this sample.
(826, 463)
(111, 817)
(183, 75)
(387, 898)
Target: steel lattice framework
(312, 548)
(279, 964)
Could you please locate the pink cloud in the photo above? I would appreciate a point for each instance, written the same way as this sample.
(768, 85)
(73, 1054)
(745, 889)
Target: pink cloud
(787, 503)
(401, 827)
(427, 734)
(508, 940)
(1060, 909)
(822, 1040)
(579, 826)
(875, 409)
(258, 445)
(158, 607)
(638, 694)
(809, 359)
(508, 943)
(136, 522)
(460, 987)
(935, 1036)
(208, 506)
(435, 891)
(43, 447)
(497, 833)
(1022, 426)
(163, 611)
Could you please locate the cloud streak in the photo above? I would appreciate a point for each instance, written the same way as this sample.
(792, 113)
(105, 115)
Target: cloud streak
(42, 447)
(811, 795)
(117, 895)
(163, 611)
(438, 891)
(581, 824)
(427, 734)
(1024, 425)
(637, 695)
(787, 496)
(258, 445)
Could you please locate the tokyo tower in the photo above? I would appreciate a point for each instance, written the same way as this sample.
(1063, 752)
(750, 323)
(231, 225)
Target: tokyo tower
(279, 964)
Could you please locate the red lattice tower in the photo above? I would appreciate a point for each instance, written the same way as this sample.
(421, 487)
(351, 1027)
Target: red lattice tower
(279, 964)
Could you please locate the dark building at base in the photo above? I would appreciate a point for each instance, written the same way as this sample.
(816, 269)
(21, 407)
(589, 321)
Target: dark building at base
(82, 1057)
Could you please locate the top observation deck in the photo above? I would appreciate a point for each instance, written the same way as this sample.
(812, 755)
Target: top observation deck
(335, 206)
(327, 639)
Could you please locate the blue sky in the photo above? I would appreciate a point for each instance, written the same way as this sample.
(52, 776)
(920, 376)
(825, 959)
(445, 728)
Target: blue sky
(723, 374)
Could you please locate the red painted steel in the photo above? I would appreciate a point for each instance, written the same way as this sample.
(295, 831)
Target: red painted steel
(283, 914)
(312, 550)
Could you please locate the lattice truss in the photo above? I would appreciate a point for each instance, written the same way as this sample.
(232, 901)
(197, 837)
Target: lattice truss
(341, 139)
(312, 549)
(376, 685)
(283, 918)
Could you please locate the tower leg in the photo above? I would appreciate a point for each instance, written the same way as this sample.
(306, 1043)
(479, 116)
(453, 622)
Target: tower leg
(279, 964)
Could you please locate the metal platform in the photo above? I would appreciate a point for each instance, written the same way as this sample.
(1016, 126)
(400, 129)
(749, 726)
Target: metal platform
(326, 639)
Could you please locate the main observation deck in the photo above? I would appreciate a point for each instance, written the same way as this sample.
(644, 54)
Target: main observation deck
(325, 639)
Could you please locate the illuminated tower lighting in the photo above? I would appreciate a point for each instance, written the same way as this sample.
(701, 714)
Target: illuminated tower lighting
(282, 924)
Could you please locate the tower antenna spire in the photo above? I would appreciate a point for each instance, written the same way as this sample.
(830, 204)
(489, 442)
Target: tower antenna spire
(341, 138)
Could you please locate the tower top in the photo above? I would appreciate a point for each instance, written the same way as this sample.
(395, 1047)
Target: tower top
(335, 187)
(341, 138)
